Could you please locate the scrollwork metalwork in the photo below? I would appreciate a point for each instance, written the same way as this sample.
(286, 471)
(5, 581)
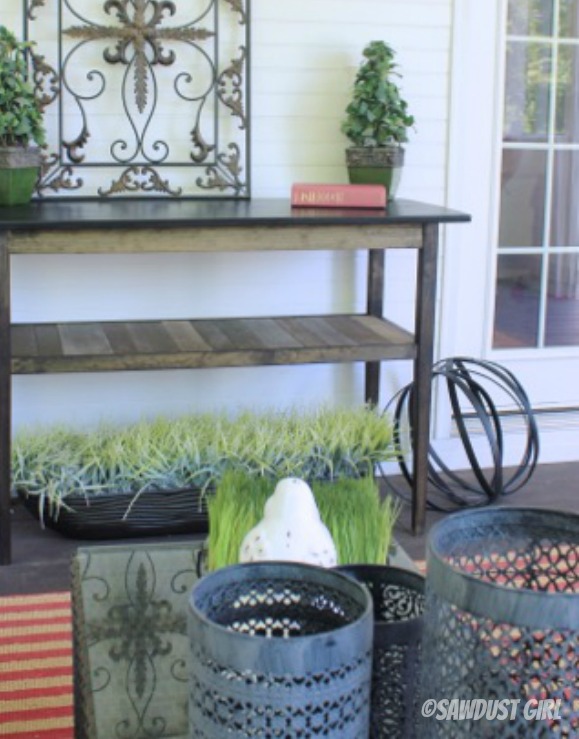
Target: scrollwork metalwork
(225, 173)
(139, 179)
(134, 633)
(34, 4)
(136, 95)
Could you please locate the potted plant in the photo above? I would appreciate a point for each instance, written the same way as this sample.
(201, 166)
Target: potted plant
(21, 123)
(154, 476)
(377, 121)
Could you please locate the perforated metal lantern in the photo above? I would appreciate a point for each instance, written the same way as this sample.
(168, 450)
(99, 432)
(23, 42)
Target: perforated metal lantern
(279, 649)
(502, 620)
(398, 597)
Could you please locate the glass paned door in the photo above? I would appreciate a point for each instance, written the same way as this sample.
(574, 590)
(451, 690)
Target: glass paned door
(537, 287)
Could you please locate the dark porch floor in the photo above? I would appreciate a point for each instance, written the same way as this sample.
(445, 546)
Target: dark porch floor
(41, 558)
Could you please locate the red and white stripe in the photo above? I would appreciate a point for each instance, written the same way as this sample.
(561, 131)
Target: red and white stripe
(36, 667)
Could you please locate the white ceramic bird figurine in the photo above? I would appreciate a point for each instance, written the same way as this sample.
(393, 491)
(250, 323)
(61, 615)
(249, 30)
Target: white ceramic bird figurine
(291, 529)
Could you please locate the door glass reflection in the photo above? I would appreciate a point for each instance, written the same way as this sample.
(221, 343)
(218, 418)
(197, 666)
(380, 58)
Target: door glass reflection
(522, 215)
(562, 324)
(527, 90)
(564, 214)
(567, 107)
(530, 17)
(568, 22)
(517, 301)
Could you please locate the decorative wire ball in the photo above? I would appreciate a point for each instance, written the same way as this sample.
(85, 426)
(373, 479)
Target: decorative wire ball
(476, 390)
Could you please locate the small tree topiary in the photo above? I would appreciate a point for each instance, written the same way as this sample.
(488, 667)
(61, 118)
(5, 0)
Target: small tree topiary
(21, 117)
(377, 115)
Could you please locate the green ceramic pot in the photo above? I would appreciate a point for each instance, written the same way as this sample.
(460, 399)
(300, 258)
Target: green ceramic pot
(381, 165)
(19, 168)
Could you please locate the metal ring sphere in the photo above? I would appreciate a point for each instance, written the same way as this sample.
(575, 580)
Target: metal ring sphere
(473, 379)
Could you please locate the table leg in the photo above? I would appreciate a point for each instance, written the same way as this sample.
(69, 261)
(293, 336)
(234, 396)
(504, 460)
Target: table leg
(426, 285)
(5, 403)
(375, 307)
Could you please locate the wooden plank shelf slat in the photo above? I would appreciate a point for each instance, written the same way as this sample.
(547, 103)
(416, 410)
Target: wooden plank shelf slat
(223, 342)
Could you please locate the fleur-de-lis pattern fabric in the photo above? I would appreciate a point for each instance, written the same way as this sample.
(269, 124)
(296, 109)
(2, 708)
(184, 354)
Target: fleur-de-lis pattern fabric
(130, 639)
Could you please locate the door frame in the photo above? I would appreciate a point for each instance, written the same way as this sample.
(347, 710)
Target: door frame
(469, 254)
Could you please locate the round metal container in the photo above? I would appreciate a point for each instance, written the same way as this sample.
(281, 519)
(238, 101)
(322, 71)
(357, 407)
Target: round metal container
(502, 622)
(398, 597)
(279, 649)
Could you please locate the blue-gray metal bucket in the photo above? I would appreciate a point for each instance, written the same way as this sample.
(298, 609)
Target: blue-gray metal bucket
(398, 598)
(279, 649)
(502, 624)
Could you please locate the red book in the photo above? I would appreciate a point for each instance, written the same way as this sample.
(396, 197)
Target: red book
(307, 195)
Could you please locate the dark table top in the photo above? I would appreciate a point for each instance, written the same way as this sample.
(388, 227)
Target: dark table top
(125, 214)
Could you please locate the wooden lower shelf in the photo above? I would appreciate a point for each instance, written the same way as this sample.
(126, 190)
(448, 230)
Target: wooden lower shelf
(227, 342)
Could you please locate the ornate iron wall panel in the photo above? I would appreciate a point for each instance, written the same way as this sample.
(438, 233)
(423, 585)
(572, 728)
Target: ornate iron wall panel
(143, 98)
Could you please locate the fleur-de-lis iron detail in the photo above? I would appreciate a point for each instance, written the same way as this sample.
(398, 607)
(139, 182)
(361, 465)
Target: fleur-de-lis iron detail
(166, 55)
(136, 35)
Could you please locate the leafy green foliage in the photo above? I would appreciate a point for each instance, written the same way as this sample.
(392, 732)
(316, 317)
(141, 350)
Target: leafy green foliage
(360, 522)
(377, 115)
(21, 120)
(196, 450)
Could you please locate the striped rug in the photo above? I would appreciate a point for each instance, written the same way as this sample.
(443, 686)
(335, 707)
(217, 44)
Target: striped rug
(36, 667)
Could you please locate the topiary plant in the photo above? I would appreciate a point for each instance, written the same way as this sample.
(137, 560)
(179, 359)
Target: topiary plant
(21, 117)
(377, 114)
(377, 121)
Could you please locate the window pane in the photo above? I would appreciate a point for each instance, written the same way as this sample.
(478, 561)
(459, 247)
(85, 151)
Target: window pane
(567, 119)
(565, 216)
(568, 23)
(530, 17)
(562, 327)
(527, 90)
(522, 198)
(517, 301)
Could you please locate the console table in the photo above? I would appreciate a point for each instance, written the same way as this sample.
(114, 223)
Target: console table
(138, 226)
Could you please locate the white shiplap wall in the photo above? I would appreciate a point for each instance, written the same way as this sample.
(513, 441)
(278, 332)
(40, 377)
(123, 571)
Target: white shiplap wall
(304, 56)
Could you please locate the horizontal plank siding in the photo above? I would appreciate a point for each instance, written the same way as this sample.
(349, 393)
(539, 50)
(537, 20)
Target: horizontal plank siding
(304, 60)
(304, 57)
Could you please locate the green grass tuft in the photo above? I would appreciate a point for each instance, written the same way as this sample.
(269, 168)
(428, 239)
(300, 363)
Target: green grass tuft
(361, 523)
(195, 451)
